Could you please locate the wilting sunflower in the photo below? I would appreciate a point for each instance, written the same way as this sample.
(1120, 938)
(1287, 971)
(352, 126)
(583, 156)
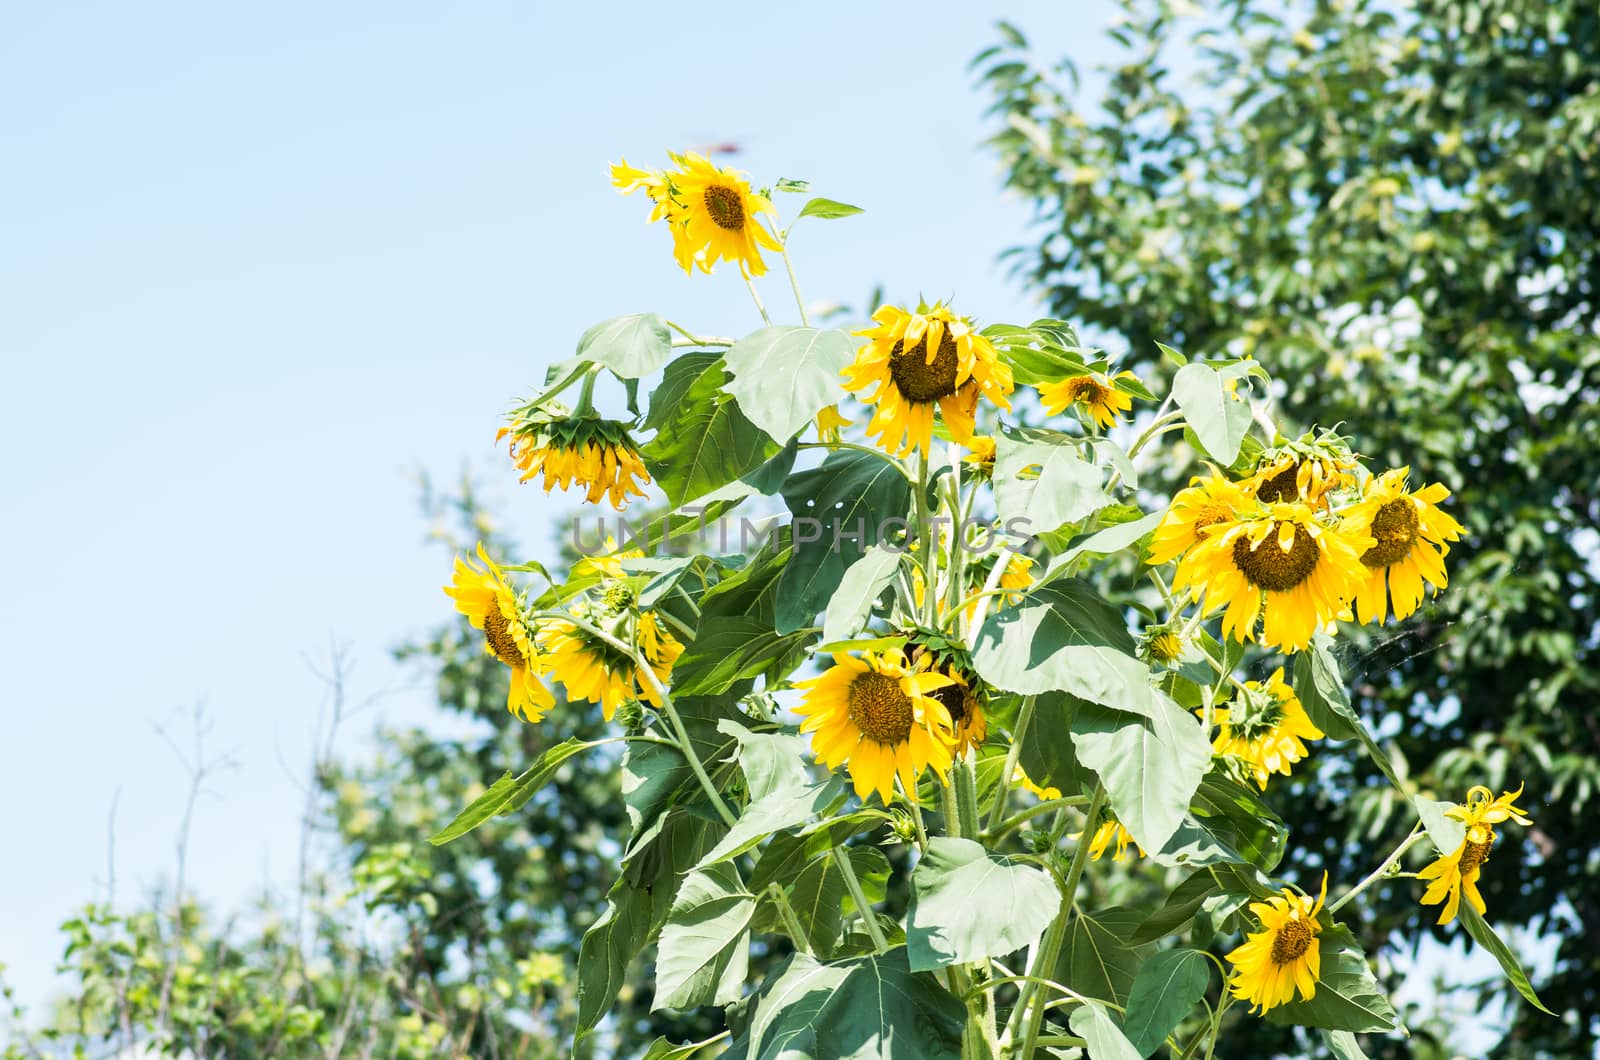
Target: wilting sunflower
(1301, 474)
(490, 604)
(1204, 503)
(1284, 956)
(1110, 831)
(598, 455)
(593, 669)
(1279, 564)
(876, 714)
(963, 698)
(1456, 873)
(921, 361)
(1097, 392)
(629, 179)
(715, 217)
(1267, 733)
(1411, 536)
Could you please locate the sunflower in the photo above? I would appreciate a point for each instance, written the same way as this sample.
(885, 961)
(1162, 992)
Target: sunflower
(1111, 830)
(980, 458)
(1284, 956)
(629, 179)
(1268, 734)
(1280, 564)
(486, 598)
(1204, 503)
(1161, 644)
(963, 700)
(1301, 475)
(1411, 536)
(829, 422)
(1039, 791)
(919, 361)
(714, 217)
(876, 714)
(1097, 392)
(598, 455)
(600, 672)
(1457, 872)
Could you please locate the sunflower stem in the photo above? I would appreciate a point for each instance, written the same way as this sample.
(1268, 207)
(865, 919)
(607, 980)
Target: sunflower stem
(1377, 874)
(561, 385)
(947, 807)
(916, 816)
(1158, 427)
(847, 873)
(794, 283)
(966, 785)
(991, 587)
(930, 565)
(1018, 731)
(1055, 935)
(586, 394)
(697, 340)
(1010, 824)
(760, 306)
(790, 922)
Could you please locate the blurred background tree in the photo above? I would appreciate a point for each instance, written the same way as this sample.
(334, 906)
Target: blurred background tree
(1393, 206)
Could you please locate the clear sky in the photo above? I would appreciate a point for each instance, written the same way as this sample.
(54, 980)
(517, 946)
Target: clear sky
(260, 264)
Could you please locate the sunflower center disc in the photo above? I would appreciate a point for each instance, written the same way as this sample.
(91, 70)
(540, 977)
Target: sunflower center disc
(497, 631)
(1211, 515)
(1085, 390)
(1270, 567)
(880, 709)
(918, 380)
(1284, 486)
(724, 207)
(954, 699)
(1475, 854)
(1293, 939)
(1395, 530)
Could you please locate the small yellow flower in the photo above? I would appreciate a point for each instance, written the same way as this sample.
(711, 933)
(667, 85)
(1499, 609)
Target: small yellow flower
(592, 669)
(829, 422)
(597, 455)
(490, 604)
(629, 179)
(1043, 794)
(980, 454)
(877, 715)
(1285, 956)
(1110, 831)
(922, 361)
(1097, 392)
(1267, 738)
(1204, 503)
(1410, 536)
(1456, 873)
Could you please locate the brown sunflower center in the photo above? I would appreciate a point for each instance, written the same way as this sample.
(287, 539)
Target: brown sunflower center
(880, 708)
(1475, 854)
(1269, 567)
(1284, 486)
(725, 206)
(1394, 529)
(1087, 390)
(954, 699)
(918, 380)
(1292, 941)
(497, 631)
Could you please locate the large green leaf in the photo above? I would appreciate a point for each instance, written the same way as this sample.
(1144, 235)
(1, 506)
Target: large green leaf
(1485, 936)
(631, 346)
(1048, 755)
(1103, 542)
(509, 794)
(1344, 1045)
(1166, 989)
(838, 510)
(1151, 765)
(1065, 637)
(967, 904)
(1096, 958)
(1219, 419)
(704, 441)
(1041, 481)
(784, 376)
(1178, 911)
(819, 897)
(728, 650)
(1227, 822)
(704, 953)
(1445, 832)
(858, 590)
(664, 1049)
(1319, 686)
(1348, 998)
(773, 763)
(864, 1008)
(1102, 1038)
(774, 812)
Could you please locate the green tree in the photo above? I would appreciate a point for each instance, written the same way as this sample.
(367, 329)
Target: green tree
(1393, 205)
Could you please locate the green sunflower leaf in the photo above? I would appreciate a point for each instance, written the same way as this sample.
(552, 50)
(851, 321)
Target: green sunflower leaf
(967, 904)
(863, 1008)
(784, 376)
(1102, 1038)
(1320, 688)
(509, 794)
(1165, 991)
(704, 952)
(1485, 936)
(827, 208)
(858, 590)
(1041, 481)
(703, 441)
(1097, 960)
(631, 346)
(1150, 764)
(1219, 420)
(1348, 998)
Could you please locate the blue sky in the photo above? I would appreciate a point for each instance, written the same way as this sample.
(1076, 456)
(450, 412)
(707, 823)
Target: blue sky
(259, 265)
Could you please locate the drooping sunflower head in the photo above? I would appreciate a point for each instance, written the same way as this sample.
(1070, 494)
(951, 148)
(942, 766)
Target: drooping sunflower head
(1100, 395)
(1455, 873)
(597, 455)
(1279, 563)
(1306, 469)
(876, 714)
(965, 697)
(594, 669)
(1285, 956)
(487, 599)
(1265, 728)
(715, 217)
(1206, 502)
(1410, 536)
(919, 362)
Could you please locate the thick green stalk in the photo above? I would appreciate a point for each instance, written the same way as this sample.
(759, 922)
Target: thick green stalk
(847, 873)
(1020, 730)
